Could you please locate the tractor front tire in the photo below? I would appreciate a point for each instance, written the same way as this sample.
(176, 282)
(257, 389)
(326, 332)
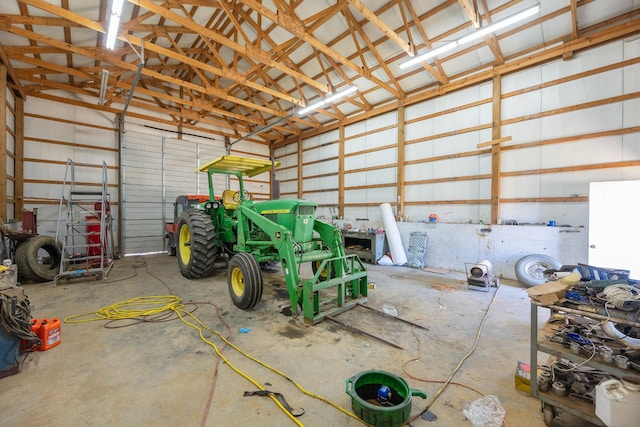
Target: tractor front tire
(245, 281)
(324, 274)
(196, 247)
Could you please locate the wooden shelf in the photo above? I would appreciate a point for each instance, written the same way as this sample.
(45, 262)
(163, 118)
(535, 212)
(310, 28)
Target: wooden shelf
(540, 342)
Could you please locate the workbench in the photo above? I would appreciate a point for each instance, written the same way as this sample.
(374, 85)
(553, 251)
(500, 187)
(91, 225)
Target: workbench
(369, 246)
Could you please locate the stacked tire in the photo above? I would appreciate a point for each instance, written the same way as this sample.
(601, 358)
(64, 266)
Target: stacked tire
(39, 258)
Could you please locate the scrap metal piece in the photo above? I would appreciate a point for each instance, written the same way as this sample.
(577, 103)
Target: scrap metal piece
(393, 317)
(361, 332)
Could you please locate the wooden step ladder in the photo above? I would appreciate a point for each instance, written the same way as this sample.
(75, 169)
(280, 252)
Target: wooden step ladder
(87, 246)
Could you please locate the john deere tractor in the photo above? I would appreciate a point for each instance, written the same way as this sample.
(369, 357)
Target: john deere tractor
(250, 233)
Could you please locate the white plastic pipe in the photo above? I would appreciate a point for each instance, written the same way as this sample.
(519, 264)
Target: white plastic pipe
(393, 235)
(610, 329)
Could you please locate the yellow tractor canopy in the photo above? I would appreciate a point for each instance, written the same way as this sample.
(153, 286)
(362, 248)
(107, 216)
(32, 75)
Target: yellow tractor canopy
(235, 164)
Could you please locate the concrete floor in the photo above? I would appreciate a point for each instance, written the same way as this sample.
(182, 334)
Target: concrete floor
(164, 374)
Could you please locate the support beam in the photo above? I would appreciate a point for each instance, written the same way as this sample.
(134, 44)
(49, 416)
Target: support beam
(16, 81)
(496, 125)
(341, 172)
(392, 35)
(18, 185)
(300, 160)
(471, 12)
(293, 25)
(3, 143)
(400, 171)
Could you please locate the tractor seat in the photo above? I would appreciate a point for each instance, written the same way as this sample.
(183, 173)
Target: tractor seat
(227, 199)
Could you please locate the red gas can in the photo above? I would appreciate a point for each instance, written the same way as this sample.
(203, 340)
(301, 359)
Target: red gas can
(49, 333)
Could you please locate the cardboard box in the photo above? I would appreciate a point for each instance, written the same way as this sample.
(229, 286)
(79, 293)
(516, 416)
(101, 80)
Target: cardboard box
(8, 276)
(548, 293)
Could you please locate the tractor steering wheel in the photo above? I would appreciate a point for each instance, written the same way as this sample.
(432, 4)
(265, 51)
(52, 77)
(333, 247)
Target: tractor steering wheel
(236, 196)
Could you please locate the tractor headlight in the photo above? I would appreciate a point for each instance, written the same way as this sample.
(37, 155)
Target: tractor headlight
(212, 205)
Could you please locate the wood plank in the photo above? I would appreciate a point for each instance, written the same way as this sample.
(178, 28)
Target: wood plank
(18, 187)
(494, 142)
(392, 35)
(3, 143)
(400, 162)
(496, 153)
(471, 12)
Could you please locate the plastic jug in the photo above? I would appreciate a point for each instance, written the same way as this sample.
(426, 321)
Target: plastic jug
(618, 402)
(49, 333)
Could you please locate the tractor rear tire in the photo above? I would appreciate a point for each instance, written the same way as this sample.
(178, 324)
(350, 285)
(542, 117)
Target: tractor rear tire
(245, 280)
(28, 258)
(171, 251)
(196, 247)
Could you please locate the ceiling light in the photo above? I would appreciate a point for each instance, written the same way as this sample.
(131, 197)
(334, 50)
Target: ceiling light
(481, 32)
(114, 23)
(330, 99)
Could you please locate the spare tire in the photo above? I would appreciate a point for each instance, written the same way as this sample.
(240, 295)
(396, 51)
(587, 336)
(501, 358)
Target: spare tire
(40, 258)
(24, 270)
(529, 269)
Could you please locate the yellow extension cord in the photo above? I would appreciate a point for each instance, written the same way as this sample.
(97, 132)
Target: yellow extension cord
(159, 304)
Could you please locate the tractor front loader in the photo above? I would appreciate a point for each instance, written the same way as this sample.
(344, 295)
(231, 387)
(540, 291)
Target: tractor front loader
(250, 233)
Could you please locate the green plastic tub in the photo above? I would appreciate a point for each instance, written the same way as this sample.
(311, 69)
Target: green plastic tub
(363, 389)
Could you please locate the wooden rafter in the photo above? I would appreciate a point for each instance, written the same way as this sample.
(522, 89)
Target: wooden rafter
(165, 52)
(471, 11)
(295, 27)
(374, 51)
(242, 64)
(491, 40)
(249, 50)
(407, 46)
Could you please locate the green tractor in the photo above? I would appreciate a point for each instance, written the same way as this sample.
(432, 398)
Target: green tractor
(249, 233)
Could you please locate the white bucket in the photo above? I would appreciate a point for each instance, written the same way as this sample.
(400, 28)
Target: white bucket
(618, 403)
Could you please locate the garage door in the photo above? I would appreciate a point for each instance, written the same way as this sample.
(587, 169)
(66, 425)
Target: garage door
(156, 169)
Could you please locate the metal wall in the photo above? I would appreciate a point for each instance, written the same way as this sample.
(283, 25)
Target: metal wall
(571, 122)
(155, 168)
(55, 133)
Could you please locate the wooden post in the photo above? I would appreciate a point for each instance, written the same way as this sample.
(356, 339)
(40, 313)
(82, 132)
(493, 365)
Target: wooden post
(19, 161)
(341, 172)
(496, 150)
(3, 143)
(300, 164)
(400, 149)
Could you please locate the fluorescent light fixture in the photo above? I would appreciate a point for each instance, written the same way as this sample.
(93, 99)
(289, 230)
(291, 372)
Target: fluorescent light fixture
(340, 94)
(481, 32)
(330, 99)
(114, 23)
(103, 86)
(311, 107)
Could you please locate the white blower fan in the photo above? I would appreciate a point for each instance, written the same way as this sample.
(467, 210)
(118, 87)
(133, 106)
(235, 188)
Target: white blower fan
(480, 276)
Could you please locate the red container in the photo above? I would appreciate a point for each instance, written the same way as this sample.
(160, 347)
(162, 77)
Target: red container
(93, 241)
(49, 333)
(25, 345)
